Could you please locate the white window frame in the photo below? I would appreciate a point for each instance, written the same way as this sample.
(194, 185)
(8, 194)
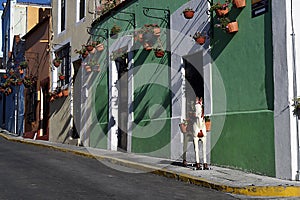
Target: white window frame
(58, 16)
(78, 11)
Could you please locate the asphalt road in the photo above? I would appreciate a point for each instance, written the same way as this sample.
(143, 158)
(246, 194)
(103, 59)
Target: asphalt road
(33, 172)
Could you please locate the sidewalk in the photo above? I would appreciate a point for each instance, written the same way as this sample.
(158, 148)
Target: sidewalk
(222, 179)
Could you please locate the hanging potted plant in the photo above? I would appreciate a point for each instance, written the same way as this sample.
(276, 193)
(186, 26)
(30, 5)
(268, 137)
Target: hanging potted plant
(23, 65)
(19, 81)
(61, 76)
(183, 126)
(27, 82)
(57, 62)
(21, 70)
(65, 92)
(119, 54)
(138, 35)
(89, 47)
(114, 31)
(5, 76)
(155, 30)
(239, 3)
(83, 53)
(99, 46)
(199, 37)
(11, 71)
(227, 25)
(159, 52)
(147, 46)
(220, 9)
(151, 32)
(232, 27)
(188, 13)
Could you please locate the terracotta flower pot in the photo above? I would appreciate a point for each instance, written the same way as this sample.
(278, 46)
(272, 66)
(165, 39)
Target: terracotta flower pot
(65, 92)
(61, 77)
(232, 27)
(159, 53)
(60, 94)
(208, 125)
(147, 46)
(239, 3)
(222, 12)
(183, 127)
(156, 31)
(139, 37)
(56, 63)
(88, 68)
(100, 47)
(200, 40)
(89, 47)
(189, 14)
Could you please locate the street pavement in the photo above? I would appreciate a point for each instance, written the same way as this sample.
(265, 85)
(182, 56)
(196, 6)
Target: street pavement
(222, 179)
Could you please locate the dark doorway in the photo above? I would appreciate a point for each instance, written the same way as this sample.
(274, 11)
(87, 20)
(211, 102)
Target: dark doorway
(44, 123)
(194, 77)
(122, 85)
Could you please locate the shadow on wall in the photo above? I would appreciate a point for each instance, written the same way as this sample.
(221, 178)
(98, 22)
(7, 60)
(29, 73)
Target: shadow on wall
(269, 83)
(220, 39)
(143, 103)
(60, 118)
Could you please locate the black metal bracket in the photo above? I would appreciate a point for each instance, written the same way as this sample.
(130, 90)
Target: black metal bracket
(166, 18)
(131, 20)
(105, 37)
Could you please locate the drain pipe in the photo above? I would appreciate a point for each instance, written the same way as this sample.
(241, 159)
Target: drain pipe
(295, 88)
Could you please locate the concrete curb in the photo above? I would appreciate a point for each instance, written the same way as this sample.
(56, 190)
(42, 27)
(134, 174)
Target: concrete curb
(263, 191)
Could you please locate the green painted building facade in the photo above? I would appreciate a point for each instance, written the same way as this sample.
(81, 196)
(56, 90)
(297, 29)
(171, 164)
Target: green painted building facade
(237, 84)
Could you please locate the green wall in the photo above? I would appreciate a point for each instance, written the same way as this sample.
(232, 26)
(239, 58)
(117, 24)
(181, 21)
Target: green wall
(99, 128)
(244, 61)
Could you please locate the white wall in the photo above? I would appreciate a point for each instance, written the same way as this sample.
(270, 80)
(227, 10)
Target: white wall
(285, 123)
(293, 58)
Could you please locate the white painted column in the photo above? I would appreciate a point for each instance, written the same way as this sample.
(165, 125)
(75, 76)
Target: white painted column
(130, 98)
(113, 107)
(40, 97)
